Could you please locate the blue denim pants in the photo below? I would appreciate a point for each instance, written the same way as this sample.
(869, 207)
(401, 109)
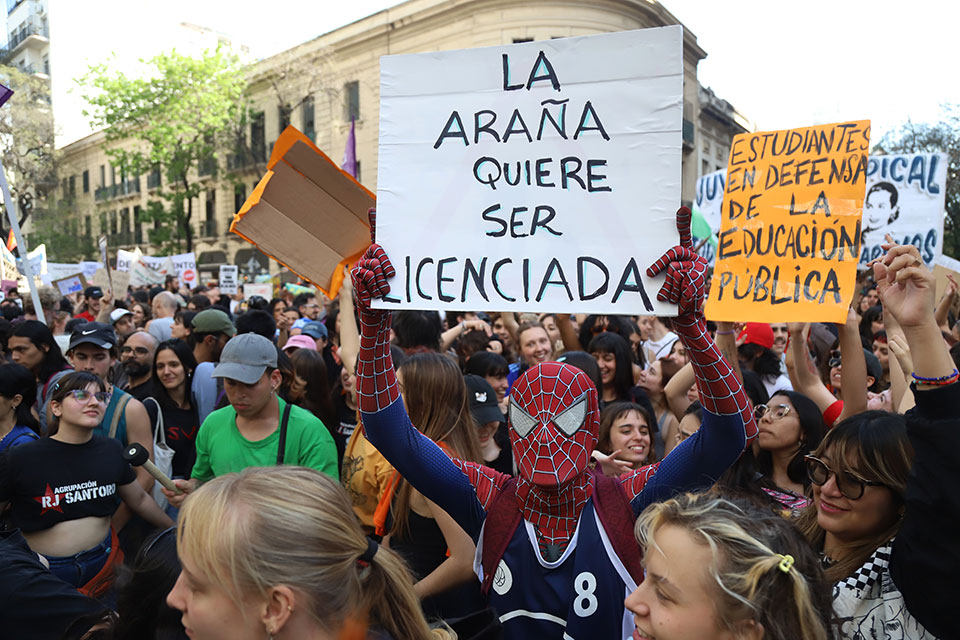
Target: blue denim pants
(79, 569)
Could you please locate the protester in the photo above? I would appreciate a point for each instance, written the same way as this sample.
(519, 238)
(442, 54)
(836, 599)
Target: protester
(141, 314)
(624, 438)
(690, 422)
(756, 353)
(310, 389)
(493, 368)
(651, 382)
(64, 489)
(493, 438)
(182, 325)
(92, 298)
(884, 485)
(278, 552)
(163, 306)
(122, 322)
(257, 428)
(18, 393)
(554, 486)
(32, 345)
(534, 344)
(212, 329)
(298, 342)
(171, 381)
(721, 568)
(137, 357)
(659, 339)
(308, 307)
(612, 353)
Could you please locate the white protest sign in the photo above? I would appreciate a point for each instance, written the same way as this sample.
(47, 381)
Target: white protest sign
(905, 198)
(229, 276)
(38, 261)
(534, 176)
(710, 197)
(264, 290)
(70, 284)
(183, 264)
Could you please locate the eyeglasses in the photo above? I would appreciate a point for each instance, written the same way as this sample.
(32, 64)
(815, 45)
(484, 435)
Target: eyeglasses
(82, 396)
(850, 484)
(834, 360)
(140, 351)
(776, 412)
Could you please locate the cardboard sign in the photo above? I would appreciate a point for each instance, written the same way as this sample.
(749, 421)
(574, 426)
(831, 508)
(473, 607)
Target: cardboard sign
(790, 235)
(535, 176)
(184, 265)
(115, 281)
(264, 290)
(905, 197)
(71, 284)
(307, 213)
(229, 276)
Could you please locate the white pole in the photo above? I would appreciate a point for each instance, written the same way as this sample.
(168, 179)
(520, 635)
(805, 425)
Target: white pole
(21, 245)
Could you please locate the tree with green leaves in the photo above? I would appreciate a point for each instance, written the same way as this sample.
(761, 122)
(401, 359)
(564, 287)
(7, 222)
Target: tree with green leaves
(26, 140)
(926, 138)
(168, 119)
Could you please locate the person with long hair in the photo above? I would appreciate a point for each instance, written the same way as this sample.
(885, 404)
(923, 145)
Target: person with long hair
(652, 381)
(277, 552)
(884, 484)
(625, 437)
(534, 344)
(33, 346)
(17, 395)
(141, 314)
(791, 427)
(64, 489)
(173, 367)
(440, 553)
(616, 366)
(310, 389)
(721, 567)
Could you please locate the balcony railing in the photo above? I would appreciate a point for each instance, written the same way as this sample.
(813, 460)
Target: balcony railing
(124, 188)
(153, 180)
(29, 27)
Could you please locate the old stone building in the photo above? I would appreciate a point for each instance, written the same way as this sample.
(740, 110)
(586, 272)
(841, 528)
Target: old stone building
(322, 85)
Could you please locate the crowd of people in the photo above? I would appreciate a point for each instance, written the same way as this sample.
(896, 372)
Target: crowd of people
(348, 472)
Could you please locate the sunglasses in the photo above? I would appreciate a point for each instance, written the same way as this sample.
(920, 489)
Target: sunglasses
(850, 484)
(776, 412)
(834, 360)
(82, 396)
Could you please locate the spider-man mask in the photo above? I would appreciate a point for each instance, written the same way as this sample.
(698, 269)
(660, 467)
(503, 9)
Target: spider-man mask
(553, 423)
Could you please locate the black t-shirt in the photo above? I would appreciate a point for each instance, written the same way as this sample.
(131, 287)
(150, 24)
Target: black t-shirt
(346, 418)
(180, 428)
(48, 482)
(141, 391)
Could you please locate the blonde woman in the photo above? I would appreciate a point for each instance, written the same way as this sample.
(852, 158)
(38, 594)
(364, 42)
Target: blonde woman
(277, 552)
(722, 568)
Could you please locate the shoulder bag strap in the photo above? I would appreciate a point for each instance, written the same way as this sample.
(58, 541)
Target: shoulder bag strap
(118, 413)
(159, 435)
(283, 434)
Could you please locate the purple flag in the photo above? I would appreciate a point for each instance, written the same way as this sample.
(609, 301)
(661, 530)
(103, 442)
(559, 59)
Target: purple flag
(350, 153)
(6, 92)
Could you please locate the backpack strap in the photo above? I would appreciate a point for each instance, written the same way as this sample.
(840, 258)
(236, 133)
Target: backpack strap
(616, 516)
(503, 518)
(118, 412)
(281, 447)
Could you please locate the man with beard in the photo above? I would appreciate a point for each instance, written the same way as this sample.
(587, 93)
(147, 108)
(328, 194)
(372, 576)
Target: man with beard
(137, 358)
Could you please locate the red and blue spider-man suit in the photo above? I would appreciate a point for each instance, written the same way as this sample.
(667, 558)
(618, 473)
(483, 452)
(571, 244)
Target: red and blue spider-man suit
(566, 582)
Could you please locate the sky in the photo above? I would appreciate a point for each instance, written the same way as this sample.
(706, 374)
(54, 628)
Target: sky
(780, 64)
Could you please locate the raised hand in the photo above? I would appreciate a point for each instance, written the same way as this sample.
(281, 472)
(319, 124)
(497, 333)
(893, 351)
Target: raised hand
(369, 276)
(906, 287)
(685, 284)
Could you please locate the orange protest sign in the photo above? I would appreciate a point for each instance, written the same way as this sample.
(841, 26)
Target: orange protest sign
(791, 225)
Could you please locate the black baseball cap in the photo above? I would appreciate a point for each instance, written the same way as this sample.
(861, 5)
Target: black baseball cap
(95, 333)
(483, 400)
(93, 292)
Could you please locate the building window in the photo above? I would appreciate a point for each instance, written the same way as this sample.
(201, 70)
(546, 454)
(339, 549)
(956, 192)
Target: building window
(308, 118)
(258, 137)
(351, 101)
(103, 223)
(103, 176)
(283, 117)
(73, 187)
(137, 226)
(706, 168)
(86, 181)
(63, 189)
(113, 174)
(87, 226)
(519, 40)
(113, 223)
(209, 227)
(239, 196)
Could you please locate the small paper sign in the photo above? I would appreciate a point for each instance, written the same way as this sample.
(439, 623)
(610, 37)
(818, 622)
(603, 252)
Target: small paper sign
(71, 284)
(229, 274)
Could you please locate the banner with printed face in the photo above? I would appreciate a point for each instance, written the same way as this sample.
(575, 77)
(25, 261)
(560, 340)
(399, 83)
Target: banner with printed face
(533, 176)
(905, 198)
(791, 225)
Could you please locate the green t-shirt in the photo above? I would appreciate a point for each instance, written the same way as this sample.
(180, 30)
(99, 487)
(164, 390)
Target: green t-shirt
(222, 449)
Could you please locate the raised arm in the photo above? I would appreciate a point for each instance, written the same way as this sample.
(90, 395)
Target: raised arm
(925, 553)
(388, 428)
(853, 370)
(803, 374)
(728, 423)
(349, 335)
(676, 390)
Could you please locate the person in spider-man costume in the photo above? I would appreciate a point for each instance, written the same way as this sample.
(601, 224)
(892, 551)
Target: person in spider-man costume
(555, 549)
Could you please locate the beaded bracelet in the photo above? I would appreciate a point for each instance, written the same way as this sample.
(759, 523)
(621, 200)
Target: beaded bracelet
(941, 381)
(726, 333)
